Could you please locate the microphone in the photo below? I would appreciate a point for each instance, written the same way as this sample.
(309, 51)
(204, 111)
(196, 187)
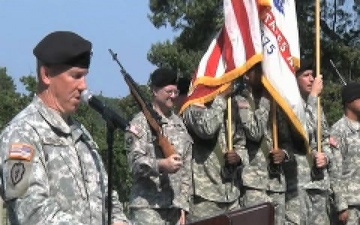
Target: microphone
(108, 114)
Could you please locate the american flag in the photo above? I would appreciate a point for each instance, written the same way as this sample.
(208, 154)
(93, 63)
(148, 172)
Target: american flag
(234, 50)
(21, 151)
(254, 31)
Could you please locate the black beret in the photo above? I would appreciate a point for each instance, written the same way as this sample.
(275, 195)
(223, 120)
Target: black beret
(64, 48)
(350, 92)
(305, 64)
(183, 85)
(162, 77)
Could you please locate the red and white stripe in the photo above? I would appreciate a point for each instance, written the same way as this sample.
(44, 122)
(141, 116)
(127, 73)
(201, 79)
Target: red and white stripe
(234, 50)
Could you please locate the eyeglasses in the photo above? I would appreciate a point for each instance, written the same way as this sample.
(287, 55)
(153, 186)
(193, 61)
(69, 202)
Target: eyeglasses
(172, 92)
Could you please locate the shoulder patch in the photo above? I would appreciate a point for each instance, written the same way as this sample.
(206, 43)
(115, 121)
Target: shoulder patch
(135, 131)
(21, 151)
(17, 172)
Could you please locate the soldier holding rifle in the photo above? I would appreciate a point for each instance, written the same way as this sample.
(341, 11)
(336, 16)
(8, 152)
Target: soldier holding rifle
(161, 181)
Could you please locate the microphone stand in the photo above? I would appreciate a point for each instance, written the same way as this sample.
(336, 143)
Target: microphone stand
(111, 126)
(113, 121)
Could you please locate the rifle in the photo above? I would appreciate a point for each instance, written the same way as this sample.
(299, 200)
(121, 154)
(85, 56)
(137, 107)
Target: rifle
(150, 114)
(337, 72)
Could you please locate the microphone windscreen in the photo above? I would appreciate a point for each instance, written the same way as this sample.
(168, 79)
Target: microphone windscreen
(85, 96)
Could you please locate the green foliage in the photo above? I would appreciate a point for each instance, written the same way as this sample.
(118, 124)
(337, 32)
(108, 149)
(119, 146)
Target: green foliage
(336, 44)
(197, 20)
(11, 101)
(331, 102)
(30, 84)
(195, 23)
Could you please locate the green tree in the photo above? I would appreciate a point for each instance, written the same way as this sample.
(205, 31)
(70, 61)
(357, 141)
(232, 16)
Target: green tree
(196, 22)
(30, 84)
(10, 103)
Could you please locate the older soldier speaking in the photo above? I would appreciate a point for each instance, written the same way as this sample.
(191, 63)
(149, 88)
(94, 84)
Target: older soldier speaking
(51, 171)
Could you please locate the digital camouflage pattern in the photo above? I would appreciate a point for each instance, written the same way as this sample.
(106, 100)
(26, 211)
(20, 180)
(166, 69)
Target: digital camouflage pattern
(346, 133)
(261, 185)
(256, 175)
(251, 128)
(148, 216)
(301, 176)
(202, 208)
(206, 124)
(303, 191)
(52, 172)
(306, 207)
(150, 188)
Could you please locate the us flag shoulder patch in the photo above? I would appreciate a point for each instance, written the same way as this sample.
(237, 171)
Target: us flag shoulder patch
(21, 151)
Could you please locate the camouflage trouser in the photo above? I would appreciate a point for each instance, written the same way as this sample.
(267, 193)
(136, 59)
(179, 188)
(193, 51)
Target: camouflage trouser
(307, 207)
(254, 197)
(149, 216)
(333, 213)
(354, 215)
(201, 208)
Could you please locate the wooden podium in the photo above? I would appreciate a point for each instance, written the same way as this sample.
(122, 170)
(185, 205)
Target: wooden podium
(262, 214)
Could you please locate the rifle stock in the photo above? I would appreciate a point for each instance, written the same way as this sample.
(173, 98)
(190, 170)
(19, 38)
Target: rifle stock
(150, 114)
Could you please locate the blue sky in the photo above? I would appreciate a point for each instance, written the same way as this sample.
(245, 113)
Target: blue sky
(118, 24)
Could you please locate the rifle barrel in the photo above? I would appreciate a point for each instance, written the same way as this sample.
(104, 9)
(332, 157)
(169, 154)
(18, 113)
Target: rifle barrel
(337, 72)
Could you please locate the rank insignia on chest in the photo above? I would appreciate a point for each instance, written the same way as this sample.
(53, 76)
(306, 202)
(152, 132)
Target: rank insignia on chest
(17, 172)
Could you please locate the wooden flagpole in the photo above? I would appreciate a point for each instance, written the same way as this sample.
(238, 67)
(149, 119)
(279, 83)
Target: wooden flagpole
(274, 126)
(317, 69)
(229, 125)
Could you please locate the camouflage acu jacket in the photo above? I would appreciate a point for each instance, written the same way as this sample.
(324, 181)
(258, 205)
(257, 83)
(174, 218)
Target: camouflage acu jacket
(150, 188)
(207, 127)
(347, 142)
(298, 171)
(52, 172)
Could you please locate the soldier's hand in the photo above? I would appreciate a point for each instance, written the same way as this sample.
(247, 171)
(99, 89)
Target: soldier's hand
(278, 155)
(182, 219)
(320, 159)
(343, 216)
(171, 164)
(232, 158)
(317, 86)
(243, 104)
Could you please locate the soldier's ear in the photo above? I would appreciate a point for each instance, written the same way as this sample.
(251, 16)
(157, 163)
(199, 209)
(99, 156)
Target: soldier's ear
(155, 91)
(45, 75)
